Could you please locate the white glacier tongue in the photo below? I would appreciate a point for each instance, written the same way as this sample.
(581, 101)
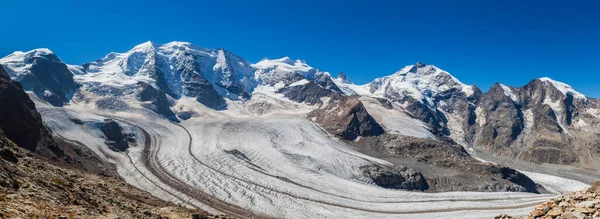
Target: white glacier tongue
(419, 81)
(564, 88)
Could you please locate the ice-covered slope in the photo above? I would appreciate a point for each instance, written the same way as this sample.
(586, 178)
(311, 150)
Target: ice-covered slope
(19, 63)
(177, 68)
(41, 71)
(419, 81)
(563, 87)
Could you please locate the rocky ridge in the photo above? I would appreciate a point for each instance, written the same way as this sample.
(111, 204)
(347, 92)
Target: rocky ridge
(584, 204)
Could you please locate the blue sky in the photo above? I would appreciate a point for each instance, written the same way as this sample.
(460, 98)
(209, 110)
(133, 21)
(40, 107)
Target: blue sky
(479, 42)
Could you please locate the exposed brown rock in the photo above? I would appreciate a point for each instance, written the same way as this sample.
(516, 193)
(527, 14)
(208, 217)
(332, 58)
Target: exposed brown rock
(346, 118)
(33, 188)
(582, 204)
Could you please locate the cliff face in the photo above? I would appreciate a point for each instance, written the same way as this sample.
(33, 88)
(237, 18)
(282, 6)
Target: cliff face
(539, 123)
(21, 123)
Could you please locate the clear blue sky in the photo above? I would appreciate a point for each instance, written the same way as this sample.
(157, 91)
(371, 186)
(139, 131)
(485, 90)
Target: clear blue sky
(480, 42)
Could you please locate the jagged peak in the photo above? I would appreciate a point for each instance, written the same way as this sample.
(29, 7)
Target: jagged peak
(508, 91)
(563, 87)
(145, 47)
(344, 78)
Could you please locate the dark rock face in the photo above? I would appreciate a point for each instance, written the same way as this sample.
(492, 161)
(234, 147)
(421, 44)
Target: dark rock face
(538, 124)
(346, 118)
(159, 102)
(228, 73)
(8, 175)
(50, 79)
(325, 81)
(385, 103)
(395, 178)
(309, 93)
(196, 85)
(504, 121)
(434, 119)
(112, 104)
(116, 139)
(20, 121)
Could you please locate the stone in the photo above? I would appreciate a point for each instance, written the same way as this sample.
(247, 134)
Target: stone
(587, 204)
(578, 215)
(554, 212)
(537, 213)
(568, 215)
(595, 188)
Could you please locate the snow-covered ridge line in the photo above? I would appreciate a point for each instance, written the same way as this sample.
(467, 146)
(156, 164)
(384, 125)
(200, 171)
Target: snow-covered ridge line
(564, 88)
(230, 73)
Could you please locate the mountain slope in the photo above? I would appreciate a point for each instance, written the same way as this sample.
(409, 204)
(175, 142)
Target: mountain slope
(20, 122)
(545, 121)
(42, 72)
(46, 184)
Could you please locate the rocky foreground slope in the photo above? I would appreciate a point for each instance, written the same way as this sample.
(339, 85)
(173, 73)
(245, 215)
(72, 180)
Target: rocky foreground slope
(584, 204)
(44, 177)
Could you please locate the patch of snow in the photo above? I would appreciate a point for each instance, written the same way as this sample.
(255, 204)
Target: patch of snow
(299, 83)
(270, 71)
(557, 109)
(508, 92)
(396, 120)
(529, 122)
(480, 116)
(564, 88)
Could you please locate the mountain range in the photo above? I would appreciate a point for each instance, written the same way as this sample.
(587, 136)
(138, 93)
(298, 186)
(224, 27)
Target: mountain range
(419, 128)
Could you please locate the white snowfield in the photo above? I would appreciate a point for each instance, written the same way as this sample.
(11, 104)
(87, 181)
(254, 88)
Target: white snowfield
(275, 166)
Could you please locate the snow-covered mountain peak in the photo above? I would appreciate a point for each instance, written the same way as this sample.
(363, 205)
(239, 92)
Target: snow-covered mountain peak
(20, 56)
(145, 47)
(285, 63)
(419, 81)
(271, 71)
(19, 62)
(343, 78)
(563, 87)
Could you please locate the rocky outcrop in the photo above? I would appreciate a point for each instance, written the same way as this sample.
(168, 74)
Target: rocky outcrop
(451, 158)
(504, 121)
(346, 118)
(325, 81)
(310, 93)
(116, 138)
(395, 178)
(21, 123)
(197, 86)
(159, 102)
(571, 205)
